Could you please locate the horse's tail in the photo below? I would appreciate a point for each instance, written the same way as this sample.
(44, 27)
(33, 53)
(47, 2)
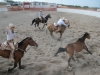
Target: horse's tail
(33, 21)
(60, 50)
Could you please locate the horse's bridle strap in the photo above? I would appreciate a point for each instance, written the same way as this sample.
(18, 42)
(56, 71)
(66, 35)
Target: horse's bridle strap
(24, 50)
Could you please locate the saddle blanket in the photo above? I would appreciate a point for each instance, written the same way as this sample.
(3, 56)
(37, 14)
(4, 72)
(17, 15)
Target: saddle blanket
(5, 46)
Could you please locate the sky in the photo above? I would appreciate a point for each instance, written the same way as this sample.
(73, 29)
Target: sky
(90, 3)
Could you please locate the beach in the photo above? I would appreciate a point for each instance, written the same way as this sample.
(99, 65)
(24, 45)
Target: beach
(41, 61)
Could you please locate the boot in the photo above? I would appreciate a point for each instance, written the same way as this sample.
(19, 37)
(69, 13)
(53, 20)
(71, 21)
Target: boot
(40, 19)
(11, 57)
(59, 28)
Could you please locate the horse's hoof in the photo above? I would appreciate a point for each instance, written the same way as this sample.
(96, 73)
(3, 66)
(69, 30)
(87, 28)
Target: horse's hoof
(59, 39)
(70, 67)
(22, 67)
(76, 61)
(9, 70)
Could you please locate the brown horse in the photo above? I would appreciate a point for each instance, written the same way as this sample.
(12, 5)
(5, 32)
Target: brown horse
(18, 54)
(53, 28)
(77, 46)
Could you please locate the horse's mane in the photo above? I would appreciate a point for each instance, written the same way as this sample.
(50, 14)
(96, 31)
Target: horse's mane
(20, 43)
(82, 39)
(47, 15)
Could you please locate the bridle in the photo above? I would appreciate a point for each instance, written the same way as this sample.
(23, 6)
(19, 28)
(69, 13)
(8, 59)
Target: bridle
(24, 50)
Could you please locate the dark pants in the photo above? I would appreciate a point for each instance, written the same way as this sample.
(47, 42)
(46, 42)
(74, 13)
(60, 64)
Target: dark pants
(43, 20)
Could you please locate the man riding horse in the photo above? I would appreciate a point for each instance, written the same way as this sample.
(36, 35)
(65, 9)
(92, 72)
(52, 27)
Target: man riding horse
(40, 16)
(10, 41)
(60, 23)
(59, 27)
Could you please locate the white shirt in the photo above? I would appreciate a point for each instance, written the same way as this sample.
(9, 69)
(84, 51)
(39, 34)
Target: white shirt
(40, 14)
(10, 35)
(61, 22)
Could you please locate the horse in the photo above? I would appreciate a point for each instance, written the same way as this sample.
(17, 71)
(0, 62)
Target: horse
(18, 54)
(52, 28)
(77, 46)
(37, 20)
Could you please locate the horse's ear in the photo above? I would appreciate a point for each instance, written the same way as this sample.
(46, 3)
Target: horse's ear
(86, 33)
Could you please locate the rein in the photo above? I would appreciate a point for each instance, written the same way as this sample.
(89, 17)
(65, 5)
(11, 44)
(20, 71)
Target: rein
(24, 50)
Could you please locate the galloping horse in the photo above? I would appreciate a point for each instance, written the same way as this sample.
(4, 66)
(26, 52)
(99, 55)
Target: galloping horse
(37, 20)
(53, 28)
(18, 54)
(77, 46)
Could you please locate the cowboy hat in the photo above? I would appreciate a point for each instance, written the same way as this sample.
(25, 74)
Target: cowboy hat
(11, 25)
(64, 18)
(40, 10)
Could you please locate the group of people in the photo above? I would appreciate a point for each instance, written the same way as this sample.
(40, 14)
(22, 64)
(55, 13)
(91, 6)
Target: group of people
(60, 22)
(11, 34)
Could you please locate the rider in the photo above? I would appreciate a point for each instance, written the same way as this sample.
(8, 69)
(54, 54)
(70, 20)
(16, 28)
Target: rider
(40, 15)
(61, 22)
(10, 39)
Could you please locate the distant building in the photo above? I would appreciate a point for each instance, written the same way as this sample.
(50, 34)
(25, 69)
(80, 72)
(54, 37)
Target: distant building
(3, 2)
(59, 5)
(43, 4)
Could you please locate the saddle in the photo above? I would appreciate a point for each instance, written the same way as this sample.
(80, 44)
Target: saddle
(55, 27)
(42, 19)
(5, 46)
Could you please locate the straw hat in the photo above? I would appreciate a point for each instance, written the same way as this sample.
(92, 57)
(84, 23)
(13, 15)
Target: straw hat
(11, 25)
(64, 18)
(40, 10)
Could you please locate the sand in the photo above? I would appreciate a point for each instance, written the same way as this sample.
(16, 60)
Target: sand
(41, 61)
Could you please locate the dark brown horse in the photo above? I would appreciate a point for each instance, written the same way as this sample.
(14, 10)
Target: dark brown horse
(77, 46)
(44, 20)
(53, 28)
(18, 54)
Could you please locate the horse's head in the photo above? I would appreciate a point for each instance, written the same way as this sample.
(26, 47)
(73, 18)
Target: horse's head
(87, 35)
(49, 16)
(67, 22)
(31, 42)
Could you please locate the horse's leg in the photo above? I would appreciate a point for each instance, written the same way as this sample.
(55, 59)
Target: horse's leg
(61, 34)
(38, 25)
(43, 26)
(35, 24)
(69, 62)
(15, 65)
(20, 64)
(87, 50)
(71, 53)
(51, 33)
(74, 59)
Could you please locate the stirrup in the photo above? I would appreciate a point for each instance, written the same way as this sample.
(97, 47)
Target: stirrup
(16, 48)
